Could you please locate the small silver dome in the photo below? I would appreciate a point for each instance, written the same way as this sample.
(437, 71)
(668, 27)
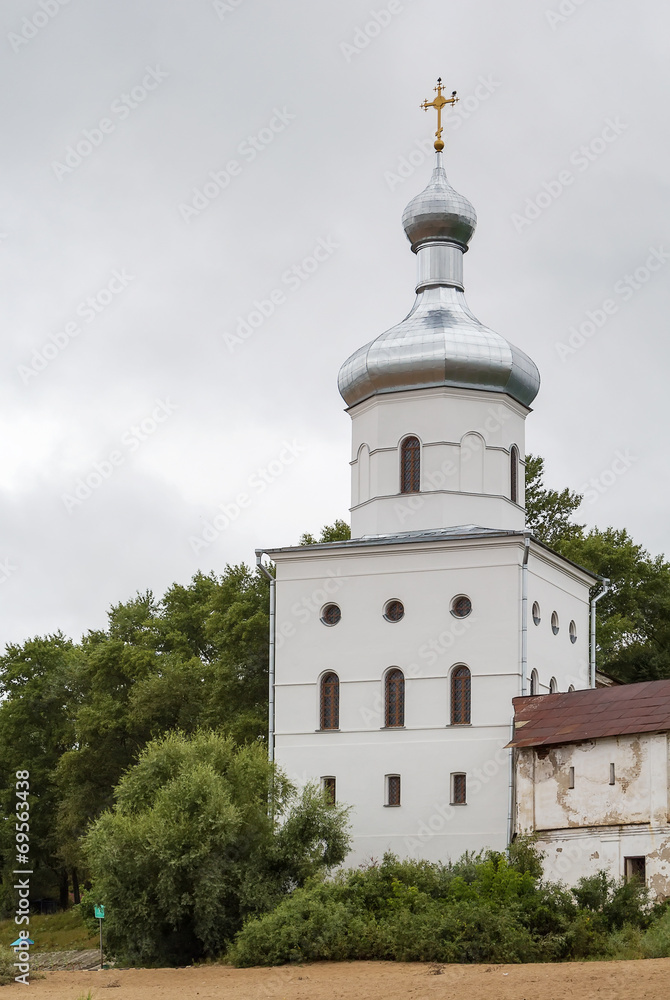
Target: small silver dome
(440, 342)
(439, 214)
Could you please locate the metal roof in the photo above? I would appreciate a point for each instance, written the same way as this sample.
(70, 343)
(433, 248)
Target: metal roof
(628, 709)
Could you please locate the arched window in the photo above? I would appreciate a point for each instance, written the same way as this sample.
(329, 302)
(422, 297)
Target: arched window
(330, 701)
(395, 698)
(460, 697)
(410, 465)
(534, 683)
(553, 686)
(514, 474)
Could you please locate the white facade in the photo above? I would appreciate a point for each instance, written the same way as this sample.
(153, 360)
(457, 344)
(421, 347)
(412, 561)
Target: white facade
(425, 573)
(598, 804)
(466, 439)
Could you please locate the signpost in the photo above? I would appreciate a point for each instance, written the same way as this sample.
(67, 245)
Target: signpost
(100, 914)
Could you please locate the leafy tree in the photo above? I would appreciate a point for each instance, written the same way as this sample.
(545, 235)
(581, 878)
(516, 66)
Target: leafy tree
(339, 531)
(197, 658)
(189, 848)
(37, 707)
(548, 512)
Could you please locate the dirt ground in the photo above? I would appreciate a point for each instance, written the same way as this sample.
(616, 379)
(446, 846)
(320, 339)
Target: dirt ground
(642, 980)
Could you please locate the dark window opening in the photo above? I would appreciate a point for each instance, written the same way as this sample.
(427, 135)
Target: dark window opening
(329, 789)
(331, 614)
(395, 698)
(393, 790)
(410, 465)
(394, 611)
(460, 697)
(458, 790)
(635, 868)
(514, 474)
(330, 701)
(461, 606)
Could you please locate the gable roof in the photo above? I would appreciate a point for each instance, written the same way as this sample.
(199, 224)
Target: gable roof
(551, 719)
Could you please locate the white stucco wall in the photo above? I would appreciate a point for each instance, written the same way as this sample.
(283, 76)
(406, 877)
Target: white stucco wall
(426, 645)
(466, 437)
(596, 824)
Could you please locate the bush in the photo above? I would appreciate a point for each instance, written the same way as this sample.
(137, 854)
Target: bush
(189, 849)
(483, 908)
(7, 970)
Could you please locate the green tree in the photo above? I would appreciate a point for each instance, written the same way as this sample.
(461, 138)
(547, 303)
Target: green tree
(339, 531)
(549, 512)
(198, 658)
(37, 708)
(189, 848)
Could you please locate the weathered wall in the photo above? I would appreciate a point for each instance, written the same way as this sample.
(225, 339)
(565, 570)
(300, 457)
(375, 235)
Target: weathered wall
(596, 825)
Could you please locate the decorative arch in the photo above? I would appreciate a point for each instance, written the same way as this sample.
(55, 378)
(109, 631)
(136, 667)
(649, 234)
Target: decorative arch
(461, 695)
(534, 683)
(410, 465)
(329, 701)
(363, 473)
(473, 447)
(514, 474)
(394, 698)
(553, 686)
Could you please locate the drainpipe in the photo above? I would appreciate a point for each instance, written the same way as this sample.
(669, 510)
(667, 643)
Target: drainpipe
(524, 616)
(594, 601)
(271, 678)
(512, 790)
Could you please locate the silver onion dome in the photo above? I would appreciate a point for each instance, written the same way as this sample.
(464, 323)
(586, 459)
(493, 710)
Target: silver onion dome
(439, 213)
(440, 342)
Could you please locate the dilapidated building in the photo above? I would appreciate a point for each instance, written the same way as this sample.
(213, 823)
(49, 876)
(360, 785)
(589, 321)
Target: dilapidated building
(592, 781)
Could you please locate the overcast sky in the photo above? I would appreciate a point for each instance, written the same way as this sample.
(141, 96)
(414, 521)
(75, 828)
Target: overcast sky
(168, 168)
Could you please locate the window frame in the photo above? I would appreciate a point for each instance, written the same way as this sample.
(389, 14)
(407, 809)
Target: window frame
(390, 783)
(394, 688)
(462, 786)
(410, 464)
(514, 474)
(465, 716)
(329, 785)
(323, 710)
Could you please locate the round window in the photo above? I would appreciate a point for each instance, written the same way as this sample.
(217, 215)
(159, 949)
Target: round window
(573, 632)
(331, 614)
(537, 618)
(394, 611)
(554, 623)
(461, 606)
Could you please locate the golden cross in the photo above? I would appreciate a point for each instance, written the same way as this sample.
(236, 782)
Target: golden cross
(438, 104)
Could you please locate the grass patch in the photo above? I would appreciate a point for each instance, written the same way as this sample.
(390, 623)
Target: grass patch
(53, 932)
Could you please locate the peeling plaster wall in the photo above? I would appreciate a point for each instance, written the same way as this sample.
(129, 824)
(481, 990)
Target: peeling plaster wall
(596, 825)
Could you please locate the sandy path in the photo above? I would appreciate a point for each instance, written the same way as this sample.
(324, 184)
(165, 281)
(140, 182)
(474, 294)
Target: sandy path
(643, 980)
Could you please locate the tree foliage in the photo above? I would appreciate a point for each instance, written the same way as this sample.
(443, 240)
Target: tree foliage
(482, 908)
(190, 847)
(78, 714)
(339, 531)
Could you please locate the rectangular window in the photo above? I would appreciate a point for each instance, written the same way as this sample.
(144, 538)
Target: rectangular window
(571, 778)
(329, 788)
(612, 774)
(393, 790)
(635, 868)
(458, 790)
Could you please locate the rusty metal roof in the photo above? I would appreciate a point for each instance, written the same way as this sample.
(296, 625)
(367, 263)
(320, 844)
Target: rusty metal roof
(551, 719)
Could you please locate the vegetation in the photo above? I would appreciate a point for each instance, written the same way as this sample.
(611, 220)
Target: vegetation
(191, 848)
(65, 931)
(484, 908)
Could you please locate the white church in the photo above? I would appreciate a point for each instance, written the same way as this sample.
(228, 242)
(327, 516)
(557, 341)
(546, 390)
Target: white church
(396, 655)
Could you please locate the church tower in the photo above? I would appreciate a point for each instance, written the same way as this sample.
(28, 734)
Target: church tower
(395, 655)
(438, 402)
